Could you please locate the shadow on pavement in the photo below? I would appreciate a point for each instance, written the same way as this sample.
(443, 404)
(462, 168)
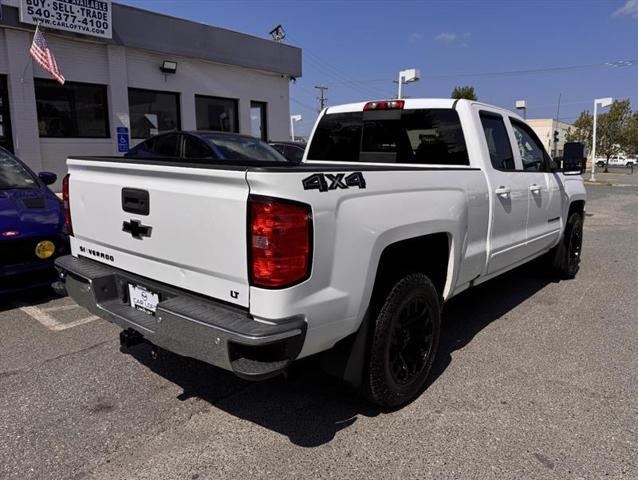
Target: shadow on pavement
(470, 312)
(310, 407)
(27, 297)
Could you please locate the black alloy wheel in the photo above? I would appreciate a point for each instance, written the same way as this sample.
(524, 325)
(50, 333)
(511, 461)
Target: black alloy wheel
(411, 340)
(575, 246)
(405, 341)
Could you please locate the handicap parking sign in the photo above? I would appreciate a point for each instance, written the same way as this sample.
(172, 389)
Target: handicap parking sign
(122, 140)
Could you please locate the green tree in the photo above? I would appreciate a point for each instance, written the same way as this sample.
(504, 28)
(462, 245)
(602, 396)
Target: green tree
(581, 130)
(631, 135)
(611, 130)
(616, 130)
(466, 92)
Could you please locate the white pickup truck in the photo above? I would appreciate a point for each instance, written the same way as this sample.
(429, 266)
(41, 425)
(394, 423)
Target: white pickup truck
(249, 264)
(616, 161)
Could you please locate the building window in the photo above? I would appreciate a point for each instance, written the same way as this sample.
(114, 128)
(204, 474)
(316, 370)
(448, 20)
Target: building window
(258, 124)
(72, 110)
(152, 112)
(215, 113)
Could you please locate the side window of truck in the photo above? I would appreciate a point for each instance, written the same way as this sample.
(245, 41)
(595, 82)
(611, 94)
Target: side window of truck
(532, 152)
(337, 138)
(498, 141)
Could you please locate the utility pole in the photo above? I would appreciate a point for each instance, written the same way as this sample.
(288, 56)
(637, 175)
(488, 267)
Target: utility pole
(556, 132)
(322, 99)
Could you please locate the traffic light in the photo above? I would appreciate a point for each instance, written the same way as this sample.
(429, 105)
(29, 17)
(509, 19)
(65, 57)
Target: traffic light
(556, 136)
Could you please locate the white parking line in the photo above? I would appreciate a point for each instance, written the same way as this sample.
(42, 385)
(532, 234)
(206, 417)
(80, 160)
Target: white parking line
(59, 308)
(41, 315)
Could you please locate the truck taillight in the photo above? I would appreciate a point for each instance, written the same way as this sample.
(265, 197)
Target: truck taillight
(280, 242)
(385, 105)
(66, 200)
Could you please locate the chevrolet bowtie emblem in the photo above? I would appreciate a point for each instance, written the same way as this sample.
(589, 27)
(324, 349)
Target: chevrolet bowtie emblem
(136, 229)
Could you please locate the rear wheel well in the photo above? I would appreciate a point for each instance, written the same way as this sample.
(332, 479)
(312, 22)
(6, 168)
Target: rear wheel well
(577, 206)
(428, 254)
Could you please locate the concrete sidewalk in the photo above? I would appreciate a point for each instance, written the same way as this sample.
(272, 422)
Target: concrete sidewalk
(617, 177)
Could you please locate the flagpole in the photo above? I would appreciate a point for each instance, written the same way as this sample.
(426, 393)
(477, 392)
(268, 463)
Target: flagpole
(24, 71)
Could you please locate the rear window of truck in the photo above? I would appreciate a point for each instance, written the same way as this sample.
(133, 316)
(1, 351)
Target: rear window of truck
(422, 136)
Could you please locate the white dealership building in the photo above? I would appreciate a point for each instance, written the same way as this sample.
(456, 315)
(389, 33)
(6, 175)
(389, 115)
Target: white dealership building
(129, 74)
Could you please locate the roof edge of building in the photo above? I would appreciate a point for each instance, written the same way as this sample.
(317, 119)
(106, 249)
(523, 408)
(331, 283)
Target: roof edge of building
(185, 38)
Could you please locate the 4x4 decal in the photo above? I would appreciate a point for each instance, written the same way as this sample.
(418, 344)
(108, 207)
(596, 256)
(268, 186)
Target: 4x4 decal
(329, 181)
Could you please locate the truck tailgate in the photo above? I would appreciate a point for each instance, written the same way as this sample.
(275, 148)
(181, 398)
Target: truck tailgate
(193, 236)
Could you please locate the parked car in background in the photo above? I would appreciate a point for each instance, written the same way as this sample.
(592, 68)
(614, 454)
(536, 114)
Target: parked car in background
(293, 151)
(31, 226)
(204, 145)
(616, 161)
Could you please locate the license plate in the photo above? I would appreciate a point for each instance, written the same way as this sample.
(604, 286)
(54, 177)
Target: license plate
(143, 299)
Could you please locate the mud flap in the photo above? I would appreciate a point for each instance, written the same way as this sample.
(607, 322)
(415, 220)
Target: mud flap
(347, 360)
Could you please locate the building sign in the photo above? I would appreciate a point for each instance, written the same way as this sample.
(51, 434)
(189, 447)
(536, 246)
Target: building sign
(89, 17)
(122, 140)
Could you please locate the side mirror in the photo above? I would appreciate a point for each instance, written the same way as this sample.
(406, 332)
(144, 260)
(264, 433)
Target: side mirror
(574, 166)
(574, 158)
(48, 178)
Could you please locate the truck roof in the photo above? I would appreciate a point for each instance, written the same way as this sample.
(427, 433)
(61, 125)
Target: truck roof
(413, 103)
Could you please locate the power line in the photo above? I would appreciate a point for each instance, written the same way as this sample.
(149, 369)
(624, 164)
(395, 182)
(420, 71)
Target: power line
(305, 89)
(339, 77)
(529, 71)
(328, 69)
(303, 105)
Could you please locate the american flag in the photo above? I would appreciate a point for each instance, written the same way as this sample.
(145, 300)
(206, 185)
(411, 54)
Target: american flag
(41, 54)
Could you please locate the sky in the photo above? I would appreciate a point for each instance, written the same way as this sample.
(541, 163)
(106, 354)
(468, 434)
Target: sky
(531, 50)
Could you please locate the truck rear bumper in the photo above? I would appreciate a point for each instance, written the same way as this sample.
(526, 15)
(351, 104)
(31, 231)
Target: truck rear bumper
(189, 325)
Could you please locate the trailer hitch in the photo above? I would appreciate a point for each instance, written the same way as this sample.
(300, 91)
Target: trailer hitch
(130, 338)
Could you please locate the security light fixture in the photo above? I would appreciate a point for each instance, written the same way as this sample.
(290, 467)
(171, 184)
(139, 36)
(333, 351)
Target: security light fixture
(407, 76)
(293, 119)
(278, 33)
(522, 105)
(604, 102)
(168, 66)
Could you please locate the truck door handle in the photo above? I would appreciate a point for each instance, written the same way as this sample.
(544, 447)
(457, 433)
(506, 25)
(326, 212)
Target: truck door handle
(503, 191)
(535, 188)
(135, 200)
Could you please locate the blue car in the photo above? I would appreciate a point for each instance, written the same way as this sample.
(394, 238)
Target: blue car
(203, 146)
(31, 226)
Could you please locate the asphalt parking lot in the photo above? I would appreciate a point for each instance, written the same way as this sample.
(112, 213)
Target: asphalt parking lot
(534, 380)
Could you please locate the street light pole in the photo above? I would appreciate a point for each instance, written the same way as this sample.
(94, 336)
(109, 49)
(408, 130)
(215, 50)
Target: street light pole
(592, 178)
(293, 119)
(604, 102)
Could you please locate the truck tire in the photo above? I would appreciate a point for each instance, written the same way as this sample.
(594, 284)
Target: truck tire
(404, 342)
(567, 254)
